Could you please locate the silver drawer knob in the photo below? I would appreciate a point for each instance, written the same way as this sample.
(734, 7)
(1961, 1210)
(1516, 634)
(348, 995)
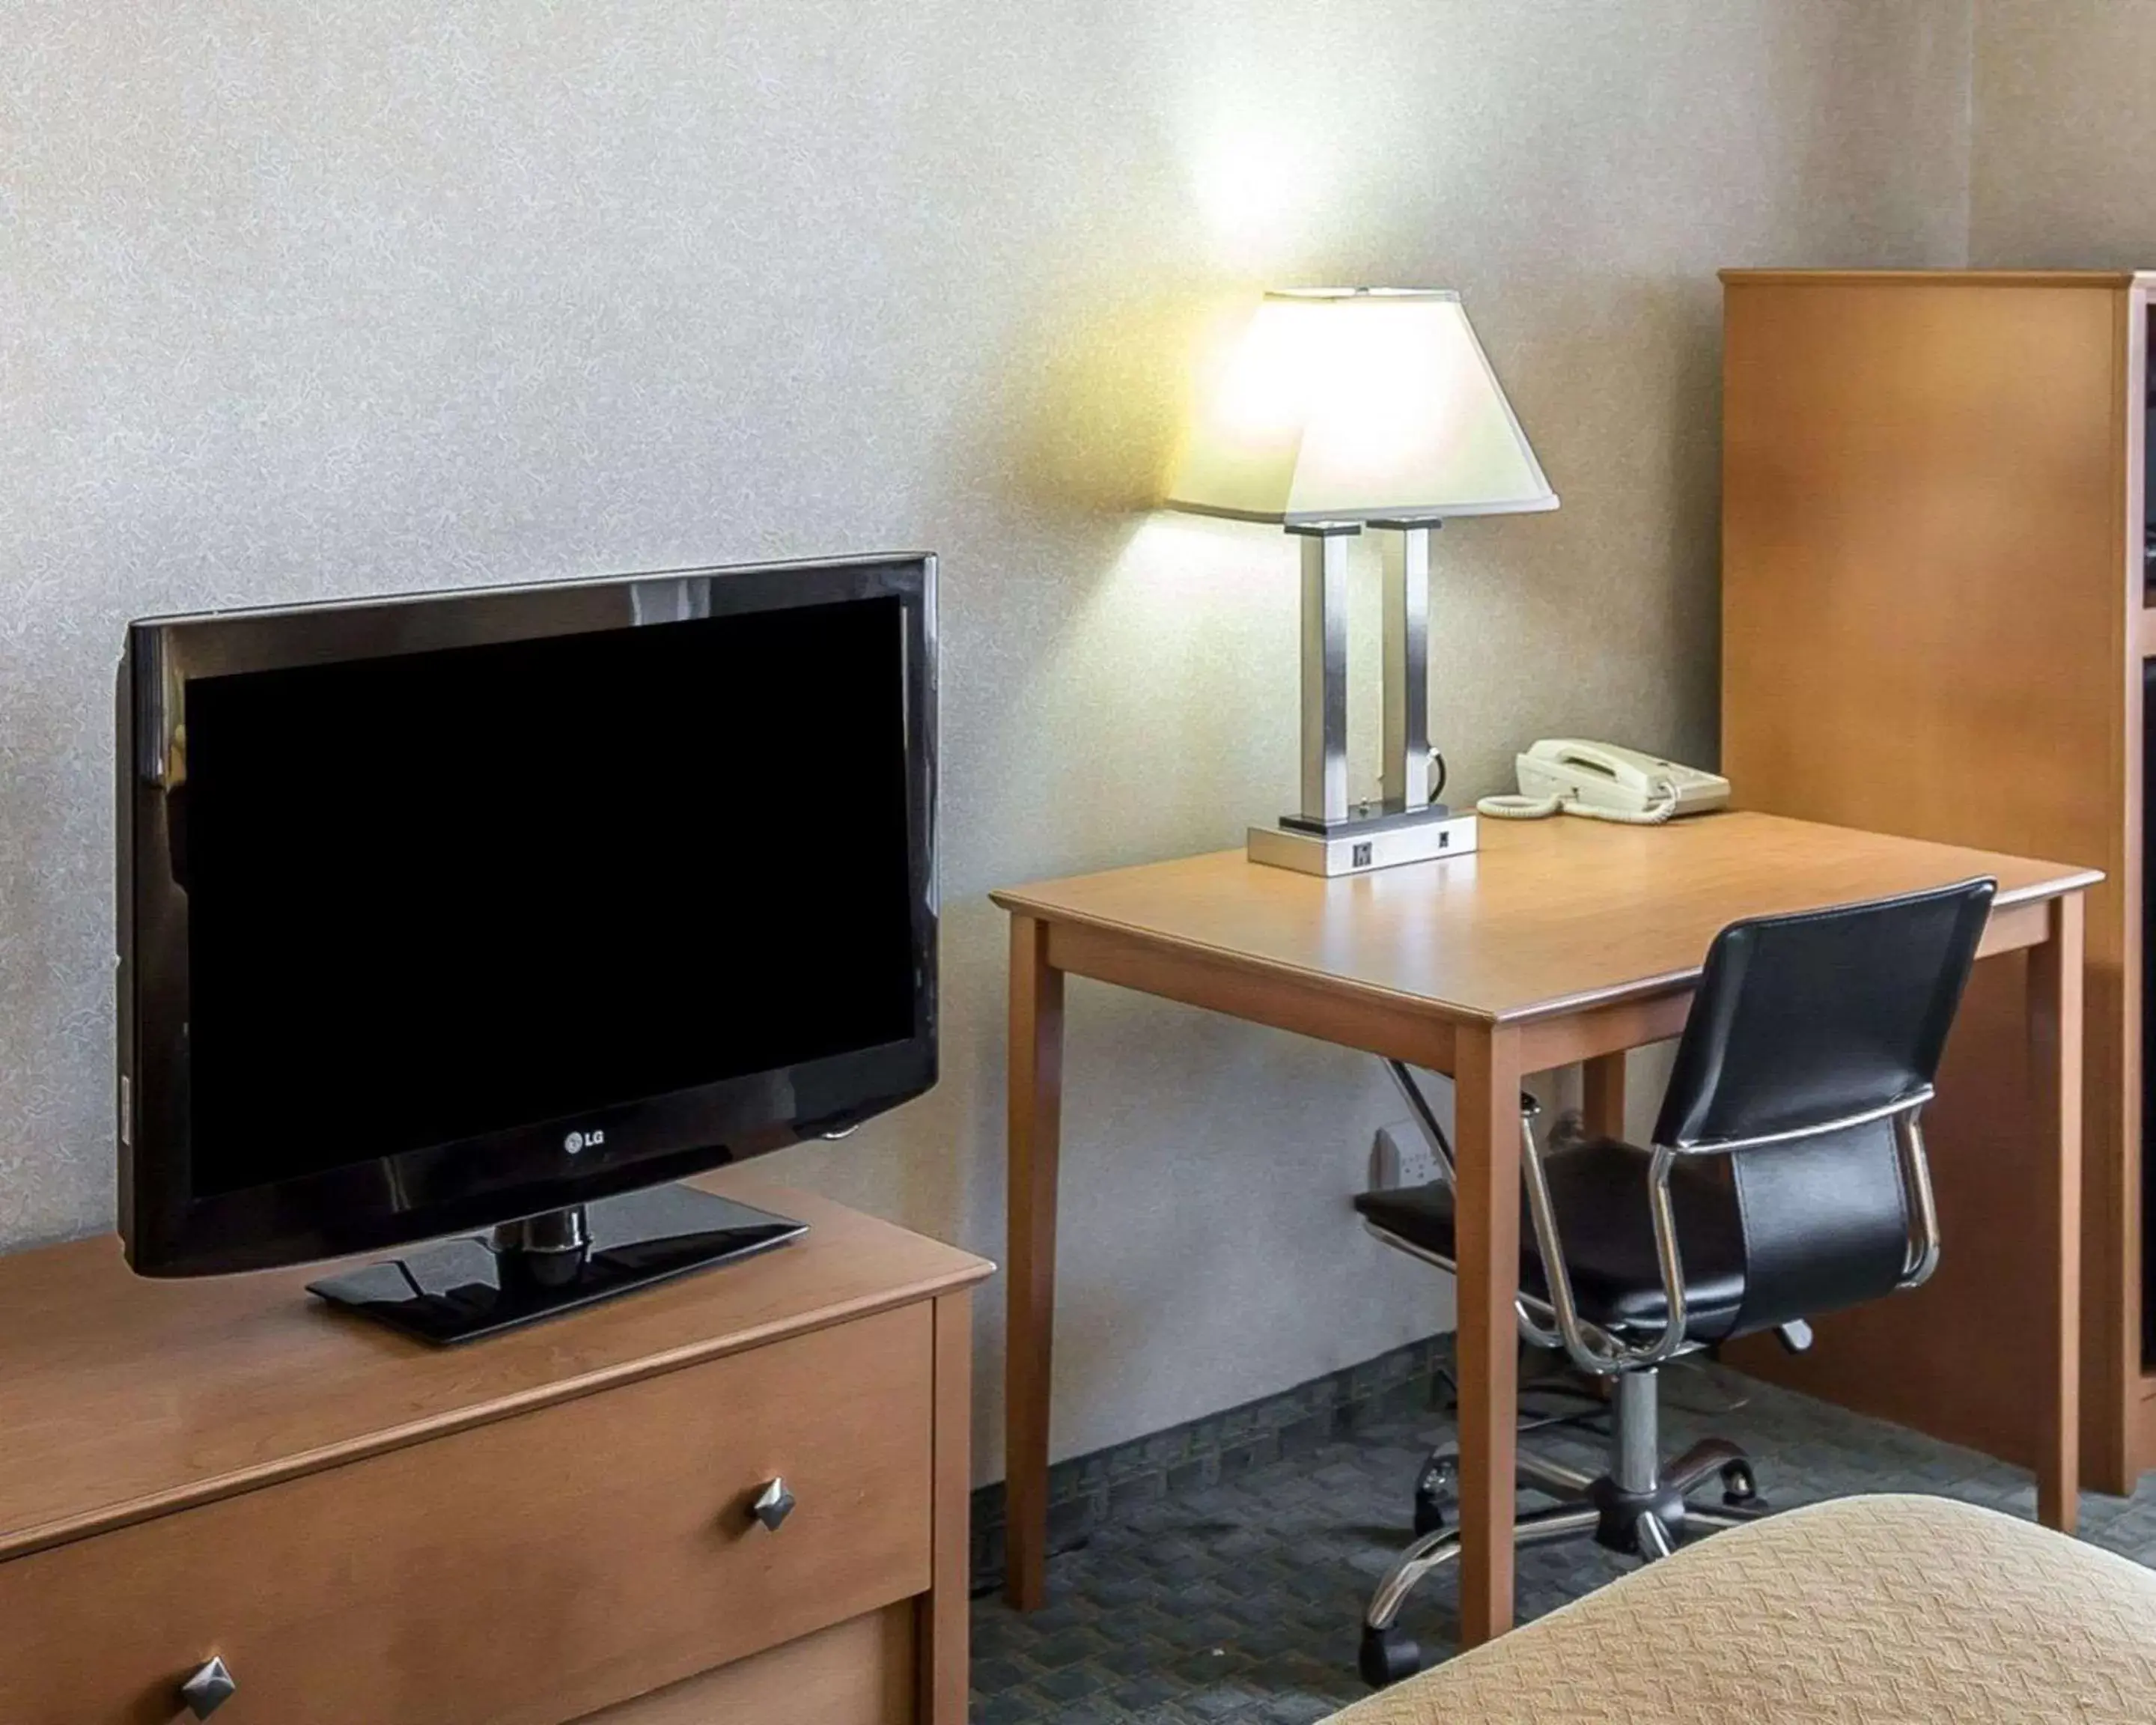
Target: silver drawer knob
(208, 1689)
(773, 1505)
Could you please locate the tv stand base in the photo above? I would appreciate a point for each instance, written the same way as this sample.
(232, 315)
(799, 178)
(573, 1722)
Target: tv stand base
(463, 1289)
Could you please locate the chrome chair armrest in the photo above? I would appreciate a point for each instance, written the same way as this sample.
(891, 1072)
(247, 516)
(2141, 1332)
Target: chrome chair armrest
(1902, 1117)
(1916, 1183)
(1524, 1305)
(1536, 1333)
(1601, 1353)
(1668, 1259)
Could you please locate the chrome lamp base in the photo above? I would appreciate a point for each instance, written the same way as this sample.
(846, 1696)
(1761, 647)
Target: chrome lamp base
(1333, 836)
(1357, 846)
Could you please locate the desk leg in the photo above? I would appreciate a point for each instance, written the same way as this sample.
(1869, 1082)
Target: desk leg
(2055, 1068)
(1486, 1100)
(1602, 1099)
(1035, 1095)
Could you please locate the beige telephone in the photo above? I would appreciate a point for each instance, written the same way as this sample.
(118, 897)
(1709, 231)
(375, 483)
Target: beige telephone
(1570, 775)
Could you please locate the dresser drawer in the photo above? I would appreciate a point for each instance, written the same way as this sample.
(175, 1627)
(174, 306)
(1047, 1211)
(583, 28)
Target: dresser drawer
(517, 1573)
(859, 1672)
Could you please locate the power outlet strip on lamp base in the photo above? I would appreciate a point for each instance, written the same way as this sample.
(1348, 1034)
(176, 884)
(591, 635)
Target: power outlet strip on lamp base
(1357, 847)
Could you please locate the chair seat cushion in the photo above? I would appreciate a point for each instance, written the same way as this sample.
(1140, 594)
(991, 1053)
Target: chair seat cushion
(1599, 1189)
(1915, 1610)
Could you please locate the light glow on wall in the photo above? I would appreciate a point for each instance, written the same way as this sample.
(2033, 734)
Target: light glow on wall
(1256, 185)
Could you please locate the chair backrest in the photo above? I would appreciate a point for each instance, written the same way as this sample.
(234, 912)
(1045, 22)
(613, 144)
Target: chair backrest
(1801, 1022)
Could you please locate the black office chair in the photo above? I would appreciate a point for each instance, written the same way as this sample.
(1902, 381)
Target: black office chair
(1787, 1178)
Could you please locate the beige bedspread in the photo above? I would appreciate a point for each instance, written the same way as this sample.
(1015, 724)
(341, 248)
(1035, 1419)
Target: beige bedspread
(1899, 1610)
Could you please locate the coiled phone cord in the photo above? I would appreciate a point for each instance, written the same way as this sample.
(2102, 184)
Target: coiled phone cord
(1515, 808)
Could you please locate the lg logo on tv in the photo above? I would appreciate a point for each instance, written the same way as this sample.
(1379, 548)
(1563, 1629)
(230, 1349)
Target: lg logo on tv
(577, 1141)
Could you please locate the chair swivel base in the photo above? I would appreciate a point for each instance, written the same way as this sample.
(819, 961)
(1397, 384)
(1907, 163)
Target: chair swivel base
(1647, 1522)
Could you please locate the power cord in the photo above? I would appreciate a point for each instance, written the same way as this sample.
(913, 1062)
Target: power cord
(1593, 1419)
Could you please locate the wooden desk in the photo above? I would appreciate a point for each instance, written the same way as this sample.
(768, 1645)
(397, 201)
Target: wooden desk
(1562, 940)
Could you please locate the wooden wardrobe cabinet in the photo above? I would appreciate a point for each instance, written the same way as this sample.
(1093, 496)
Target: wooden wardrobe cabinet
(550, 1525)
(1935, 623)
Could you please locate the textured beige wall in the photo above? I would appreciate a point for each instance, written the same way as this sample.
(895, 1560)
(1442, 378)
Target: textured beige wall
(2064, 108)
(302, 301)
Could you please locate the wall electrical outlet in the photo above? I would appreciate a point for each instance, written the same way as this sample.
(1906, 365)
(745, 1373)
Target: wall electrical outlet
(1400, 1156)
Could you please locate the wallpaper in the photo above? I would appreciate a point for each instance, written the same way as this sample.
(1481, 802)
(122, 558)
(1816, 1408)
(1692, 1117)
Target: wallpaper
(2066, 101)
(301, 301)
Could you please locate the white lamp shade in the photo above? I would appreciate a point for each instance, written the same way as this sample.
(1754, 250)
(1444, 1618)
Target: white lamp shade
(1357, 404)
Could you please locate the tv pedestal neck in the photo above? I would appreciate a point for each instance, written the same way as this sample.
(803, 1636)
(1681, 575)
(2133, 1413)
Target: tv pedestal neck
(573, 1522)
(544, 1265)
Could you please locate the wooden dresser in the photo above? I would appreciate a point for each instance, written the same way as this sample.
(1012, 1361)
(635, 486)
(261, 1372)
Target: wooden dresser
(556, 1524)
(1935, 623)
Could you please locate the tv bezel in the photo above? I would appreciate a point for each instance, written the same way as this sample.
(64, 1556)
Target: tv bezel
(169, 1229)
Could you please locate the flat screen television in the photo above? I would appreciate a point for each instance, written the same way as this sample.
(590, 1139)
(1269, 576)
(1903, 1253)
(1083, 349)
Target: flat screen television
(490, 909)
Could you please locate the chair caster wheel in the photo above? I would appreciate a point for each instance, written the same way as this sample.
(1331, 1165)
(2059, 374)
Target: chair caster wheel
(1739, 1489)
(1435, 1487)
(1388, 1657)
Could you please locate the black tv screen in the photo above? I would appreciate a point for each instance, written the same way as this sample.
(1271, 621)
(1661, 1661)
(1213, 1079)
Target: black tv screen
(477, 906)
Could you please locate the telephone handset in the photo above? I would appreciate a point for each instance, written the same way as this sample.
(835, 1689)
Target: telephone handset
(1570, 775)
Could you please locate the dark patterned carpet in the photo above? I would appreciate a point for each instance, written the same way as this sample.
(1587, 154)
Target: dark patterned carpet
(1238, 1604)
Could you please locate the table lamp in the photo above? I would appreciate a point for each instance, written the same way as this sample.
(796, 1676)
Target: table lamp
(1343, 408)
